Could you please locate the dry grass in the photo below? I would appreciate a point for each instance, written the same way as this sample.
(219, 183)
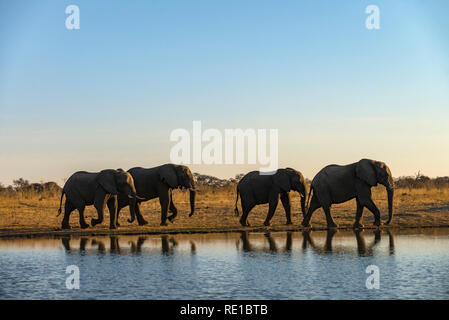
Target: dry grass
(28, 213)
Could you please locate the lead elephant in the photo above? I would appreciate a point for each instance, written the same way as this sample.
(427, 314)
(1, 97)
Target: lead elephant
(338, 184)
(159, 182)
(255, 188)
(85, 188)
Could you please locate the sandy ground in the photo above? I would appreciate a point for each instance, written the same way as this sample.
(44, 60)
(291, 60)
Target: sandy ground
(36, 215)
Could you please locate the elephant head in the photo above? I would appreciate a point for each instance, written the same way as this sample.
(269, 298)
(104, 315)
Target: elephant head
(179, 176)
(290, 179)
(119, 181)
(373, 172)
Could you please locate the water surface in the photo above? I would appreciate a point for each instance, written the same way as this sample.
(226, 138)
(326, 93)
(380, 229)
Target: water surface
(278, 265)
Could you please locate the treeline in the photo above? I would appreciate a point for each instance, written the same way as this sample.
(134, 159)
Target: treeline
(206, 182)
(420, 181)
(24, 187)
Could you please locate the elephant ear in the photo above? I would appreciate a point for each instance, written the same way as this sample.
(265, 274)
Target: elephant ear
(168, 175)
(106, 179)
(364, 170)
(282, 179)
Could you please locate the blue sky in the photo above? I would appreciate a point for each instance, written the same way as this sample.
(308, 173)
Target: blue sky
(109, 94)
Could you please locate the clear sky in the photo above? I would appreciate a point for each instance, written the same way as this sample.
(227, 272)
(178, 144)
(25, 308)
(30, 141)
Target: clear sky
(109, 94)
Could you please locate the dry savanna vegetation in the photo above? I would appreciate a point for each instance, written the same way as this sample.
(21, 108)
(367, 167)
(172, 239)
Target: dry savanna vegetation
(31, 209)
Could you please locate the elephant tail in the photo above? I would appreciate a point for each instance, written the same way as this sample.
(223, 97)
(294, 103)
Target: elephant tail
(60, 203)
(236, 209)
(308, 198)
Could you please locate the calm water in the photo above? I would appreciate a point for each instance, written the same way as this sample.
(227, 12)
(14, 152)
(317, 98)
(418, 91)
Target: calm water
(286, 265)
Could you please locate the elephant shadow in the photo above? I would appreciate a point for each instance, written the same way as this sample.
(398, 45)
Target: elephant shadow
(363, 249)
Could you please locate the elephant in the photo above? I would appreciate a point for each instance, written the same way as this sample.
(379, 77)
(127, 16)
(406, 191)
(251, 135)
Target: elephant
(256, 188)
(338, 184)
(86, 188)
(158, 182)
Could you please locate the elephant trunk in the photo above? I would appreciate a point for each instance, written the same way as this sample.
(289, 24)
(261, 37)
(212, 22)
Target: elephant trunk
(302, 193)
(390, 193)
(132, 207)
(303, 205)
(192, 201)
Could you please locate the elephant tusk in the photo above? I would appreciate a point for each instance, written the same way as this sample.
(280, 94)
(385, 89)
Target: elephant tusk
(191, 189)
(136, 196)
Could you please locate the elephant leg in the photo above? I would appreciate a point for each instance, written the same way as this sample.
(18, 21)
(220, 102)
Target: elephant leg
(358, 216)
(314, 205)
(100, 200)
(83, 223)
(172, 209)
(68, 208)
(116, 216)
(164, 200)
(117, 213)
(273, 203)
(285, 199)
(330, 222)
(140, 220)
(372, 207)
(246, 208)
(112, 207)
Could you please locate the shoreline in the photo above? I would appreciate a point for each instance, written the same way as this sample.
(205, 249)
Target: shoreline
(48, 233)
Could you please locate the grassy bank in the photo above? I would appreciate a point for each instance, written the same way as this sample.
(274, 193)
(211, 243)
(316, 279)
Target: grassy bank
(29, 213)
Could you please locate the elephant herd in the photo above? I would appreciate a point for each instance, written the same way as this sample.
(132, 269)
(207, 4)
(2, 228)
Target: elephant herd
(334, 184)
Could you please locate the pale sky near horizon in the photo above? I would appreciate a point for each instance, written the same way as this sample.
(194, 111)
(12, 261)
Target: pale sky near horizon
(109, 94)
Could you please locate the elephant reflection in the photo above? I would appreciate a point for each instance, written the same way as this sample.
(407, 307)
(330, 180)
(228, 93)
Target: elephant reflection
(168, 244)
(308, 241)
(272, 246)
(114, 244)
(362, 248)
(66, 244)
(136, 246)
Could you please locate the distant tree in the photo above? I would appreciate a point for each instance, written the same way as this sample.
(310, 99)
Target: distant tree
(20, 184)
